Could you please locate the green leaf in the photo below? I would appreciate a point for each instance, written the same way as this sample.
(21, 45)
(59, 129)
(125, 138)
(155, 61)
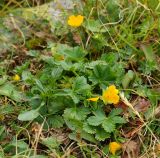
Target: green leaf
(74, 117)
(70, 53)
(26, 75)
(19, 144)
(74, 97)
(76, 113)
(2, 129)
(89, 129)
(74, 125)
(80, 85)
(88, 136)
(108, 125)
(102, 73)
(10, 91)
(129, 76)
(97, 119)
(113, 10)
(99, 113)
(58, 104)
(149, 53)
(3, 80)
(39, 85)
(28, 115)
(118, 119)
(55, 121)
(76, 54)
(2, 132)
(56, 72)
(83, 135)
(115, 112)
(95, 26)
(51, 142)
(101, 134)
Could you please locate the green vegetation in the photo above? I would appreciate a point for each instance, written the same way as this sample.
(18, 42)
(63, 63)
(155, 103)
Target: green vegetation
(84, 86)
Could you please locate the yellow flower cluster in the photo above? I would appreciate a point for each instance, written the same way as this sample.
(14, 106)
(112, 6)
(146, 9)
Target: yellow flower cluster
(75, 21)
(109, 96)
(114, 146)
(16, 77)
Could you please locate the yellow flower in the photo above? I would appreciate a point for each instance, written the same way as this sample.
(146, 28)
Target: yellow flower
(75, 21)
(110, 95)
(114, 146)
(93, 99)
(16, 77)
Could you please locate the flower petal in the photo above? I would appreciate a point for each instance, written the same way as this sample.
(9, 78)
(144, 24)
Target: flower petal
(114, 146)
(16, 77)
(93, 99)
(75, 21)
(110, 95)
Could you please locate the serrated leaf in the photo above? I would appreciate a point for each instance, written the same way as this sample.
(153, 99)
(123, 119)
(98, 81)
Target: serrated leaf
(95, 121)
(76, 53)
(108, 125)
(99, 113)
(58, 104)
(101, 134)
(56, 72)
(89, 129)
(118, 119)
(28, 115)
(74, 125)
(115, 112)
(76, 113)
(102, 73)
(88, 137)
(71, 53)
(75, 98)
(80, 85)
(55, 121)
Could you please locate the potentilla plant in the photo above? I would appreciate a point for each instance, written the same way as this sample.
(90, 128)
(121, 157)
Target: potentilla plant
(64, 91)
(94, 122)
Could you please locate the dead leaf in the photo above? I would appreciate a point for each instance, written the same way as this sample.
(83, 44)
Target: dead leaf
(142, 105)
(157, 150)
(157, 112)
(130, 149)
(122, 105)
(134, 127)
(77, 38)
(132, 132)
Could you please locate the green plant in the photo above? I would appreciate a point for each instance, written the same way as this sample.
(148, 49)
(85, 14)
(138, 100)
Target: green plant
(56, 71)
